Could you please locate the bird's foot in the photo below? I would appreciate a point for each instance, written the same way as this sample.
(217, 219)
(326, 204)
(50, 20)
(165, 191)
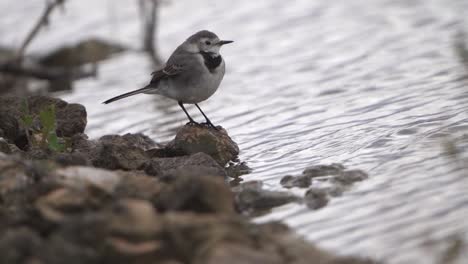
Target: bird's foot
(192, 123)
(210, 125)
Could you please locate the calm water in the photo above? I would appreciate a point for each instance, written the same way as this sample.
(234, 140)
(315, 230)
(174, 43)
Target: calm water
(375, 85)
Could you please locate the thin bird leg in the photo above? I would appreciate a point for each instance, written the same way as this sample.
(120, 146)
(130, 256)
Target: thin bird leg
(207, 120)
(191, 121)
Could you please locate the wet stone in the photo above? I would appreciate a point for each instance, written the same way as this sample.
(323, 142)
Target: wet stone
(215, 143)
(323, 170)
(290, 181)
(237, 169)
(251, 198)
(336, 190)
(316, 198)
(349, 177)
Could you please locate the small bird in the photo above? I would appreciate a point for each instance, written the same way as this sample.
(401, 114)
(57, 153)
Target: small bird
(191, 75)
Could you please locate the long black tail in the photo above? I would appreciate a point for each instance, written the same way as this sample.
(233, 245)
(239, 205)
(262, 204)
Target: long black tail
(122, 96)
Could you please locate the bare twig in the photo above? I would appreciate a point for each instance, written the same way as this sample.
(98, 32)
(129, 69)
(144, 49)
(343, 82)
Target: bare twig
(149, 13)
(43, 20)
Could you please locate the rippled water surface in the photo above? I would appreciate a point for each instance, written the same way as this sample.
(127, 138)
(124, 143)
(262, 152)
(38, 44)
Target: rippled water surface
(375, 85)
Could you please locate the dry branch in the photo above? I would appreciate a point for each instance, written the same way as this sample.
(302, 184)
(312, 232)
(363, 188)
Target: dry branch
(149, 13)
(50, 74)
(43, 20)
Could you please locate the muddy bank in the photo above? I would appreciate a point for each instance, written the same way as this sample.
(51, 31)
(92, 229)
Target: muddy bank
(126, 199)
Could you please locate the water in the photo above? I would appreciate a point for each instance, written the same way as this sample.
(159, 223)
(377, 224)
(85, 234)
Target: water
(375, 85)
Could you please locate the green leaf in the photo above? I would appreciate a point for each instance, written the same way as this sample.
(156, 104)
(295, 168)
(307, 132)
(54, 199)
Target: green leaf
(54, 144)
(47, 117)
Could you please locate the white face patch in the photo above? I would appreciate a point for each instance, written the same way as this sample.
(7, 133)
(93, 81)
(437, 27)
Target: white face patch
(209, 45)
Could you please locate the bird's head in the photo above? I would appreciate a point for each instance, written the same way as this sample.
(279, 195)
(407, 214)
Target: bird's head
(205, 41)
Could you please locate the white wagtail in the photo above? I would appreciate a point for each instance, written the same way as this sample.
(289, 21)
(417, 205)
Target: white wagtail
(191, 75)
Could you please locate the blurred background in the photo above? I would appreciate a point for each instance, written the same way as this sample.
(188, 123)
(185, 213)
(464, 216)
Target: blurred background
(377, 85)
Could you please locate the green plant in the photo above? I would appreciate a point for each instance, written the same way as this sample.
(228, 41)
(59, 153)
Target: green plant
(48, 136)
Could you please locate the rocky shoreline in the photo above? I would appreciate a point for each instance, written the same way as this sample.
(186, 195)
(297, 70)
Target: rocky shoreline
(126, 199)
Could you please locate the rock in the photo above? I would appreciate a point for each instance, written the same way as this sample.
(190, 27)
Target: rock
(323, 170)
(252, 199)
(316, 198)
(79, 239)
(336, 190)
(228, 253)
(134, 218)
(4, 146)
(349, 177)
(199, 194)
(130, 140)
(71, 159)
(9, 124)
(237, 169)
(301, 181)
(295, 251)
(81, 177)
(70, 118)
(8, 148)
(19, 245)
(194, 165)
(77, 214)
(178, 210)
(120, 152)
(13, 176)
(216, 143)
(87, 51)
(54, 206)
(339, 177)
(64, 204)
(134, 249)
(191, 237)
(249, 185)
(153, 168)
(80, 144)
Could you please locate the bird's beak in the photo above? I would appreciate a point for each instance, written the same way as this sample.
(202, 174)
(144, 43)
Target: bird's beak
(222, 42)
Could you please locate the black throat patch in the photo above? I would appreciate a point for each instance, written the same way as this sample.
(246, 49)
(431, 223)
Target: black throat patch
(212, 61)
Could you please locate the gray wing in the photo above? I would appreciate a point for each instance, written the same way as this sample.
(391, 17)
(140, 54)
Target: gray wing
(166, 72)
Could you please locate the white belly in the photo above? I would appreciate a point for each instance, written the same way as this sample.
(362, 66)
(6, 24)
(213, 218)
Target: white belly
(192, 88)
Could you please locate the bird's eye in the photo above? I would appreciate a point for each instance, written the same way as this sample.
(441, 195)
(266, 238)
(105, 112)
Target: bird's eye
(208, 42)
